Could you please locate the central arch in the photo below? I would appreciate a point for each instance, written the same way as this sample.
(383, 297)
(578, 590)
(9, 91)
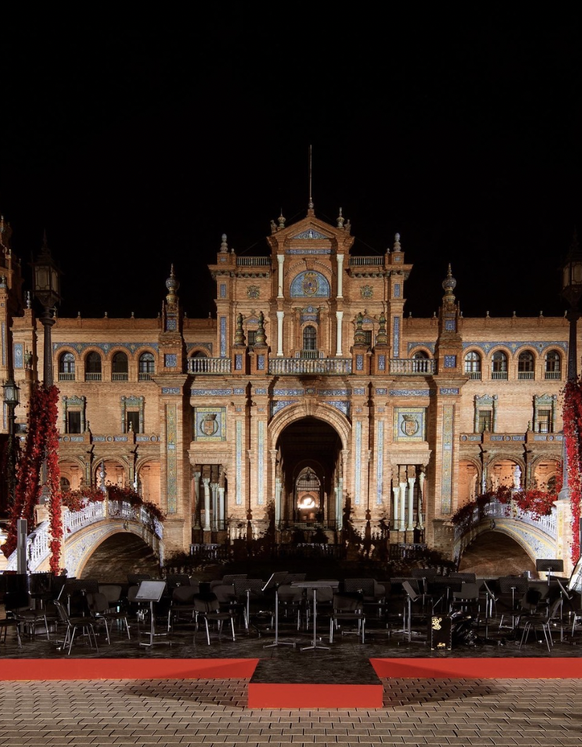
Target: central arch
(309, 467)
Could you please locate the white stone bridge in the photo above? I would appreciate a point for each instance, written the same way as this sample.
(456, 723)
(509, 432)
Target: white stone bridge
(85, 530)
(537, 536)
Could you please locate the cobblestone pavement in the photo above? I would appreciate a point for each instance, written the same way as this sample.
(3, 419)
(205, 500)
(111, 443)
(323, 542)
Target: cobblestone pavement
(203, 712)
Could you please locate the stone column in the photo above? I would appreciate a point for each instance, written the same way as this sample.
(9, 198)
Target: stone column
(403, 513)
(421, 478)
(410, 524)
(221, 512)
(280, 262)
(396, 513)
(197, 512)
(206, 483)
(338, 345)
(280, 316)
(340, 275)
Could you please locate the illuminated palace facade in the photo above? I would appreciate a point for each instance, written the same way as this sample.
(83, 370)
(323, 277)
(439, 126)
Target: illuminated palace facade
(309, 396)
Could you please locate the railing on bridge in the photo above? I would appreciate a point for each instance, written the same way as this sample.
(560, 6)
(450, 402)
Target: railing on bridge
(38, 542)
(209, 365)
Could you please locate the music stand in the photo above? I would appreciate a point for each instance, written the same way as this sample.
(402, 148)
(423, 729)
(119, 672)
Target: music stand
(550, 565)
(151, 591)
(274, 581)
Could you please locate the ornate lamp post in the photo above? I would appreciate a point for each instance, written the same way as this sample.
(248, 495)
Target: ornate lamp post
(11, 400)
(47, 291)
(46, 282)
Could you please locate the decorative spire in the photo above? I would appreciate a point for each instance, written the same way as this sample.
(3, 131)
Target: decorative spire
(381, 336)
(310, 205)
(282, 220)
(397, 247)
(260, 338)
(172, 285)
(359, 334)
(449, 285)
(340, 219)
(223, 245)
(239, 335)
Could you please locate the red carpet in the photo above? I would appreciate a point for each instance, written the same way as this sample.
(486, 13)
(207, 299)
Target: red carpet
(314, 696)
(126, 669)
(286, 695)
(499, 668)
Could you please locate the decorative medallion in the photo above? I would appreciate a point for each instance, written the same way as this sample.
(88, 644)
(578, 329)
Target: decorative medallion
(366, 291)
(253, 291)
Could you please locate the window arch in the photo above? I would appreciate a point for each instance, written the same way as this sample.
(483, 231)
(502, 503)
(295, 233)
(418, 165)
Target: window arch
(420, 362)
(499, 365)
(93, 367)
(146, 366)
(67, 367)
(553, 365)
(526, 365)
(119, 367)
(473, 364)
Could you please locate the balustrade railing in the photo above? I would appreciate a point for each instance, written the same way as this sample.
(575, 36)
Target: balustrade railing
(412, 366)
(209, 365)
(298, 366)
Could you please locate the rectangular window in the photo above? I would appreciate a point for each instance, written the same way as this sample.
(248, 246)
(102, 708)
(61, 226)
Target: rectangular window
(73, 421)
(132, 421)
(544, 424)
(252, 337)
(485, 421)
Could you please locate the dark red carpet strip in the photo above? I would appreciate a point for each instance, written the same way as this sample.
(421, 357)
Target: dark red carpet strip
(500, 668)
(126, 669)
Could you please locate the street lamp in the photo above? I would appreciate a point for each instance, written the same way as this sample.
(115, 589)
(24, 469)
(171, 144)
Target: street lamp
(46, 282)
(571, 292)
(11, 400)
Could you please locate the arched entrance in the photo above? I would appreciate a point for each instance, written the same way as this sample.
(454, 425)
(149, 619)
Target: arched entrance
(309, 471)
(494, 554)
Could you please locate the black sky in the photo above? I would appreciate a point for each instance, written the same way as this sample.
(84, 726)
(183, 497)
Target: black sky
(137, 142)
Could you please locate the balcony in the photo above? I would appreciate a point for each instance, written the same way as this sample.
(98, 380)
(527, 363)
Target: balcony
(412, 367)
(307, 366)
(209, 365)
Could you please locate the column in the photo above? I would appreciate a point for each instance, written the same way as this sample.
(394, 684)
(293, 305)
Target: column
(403, 512)
(339, 315)
(410, 524)
(280, 315)
(396, 514)
(206, 484)
(340, 275)
(339, 504)
(197, 512)
(280, 261)
(421, 479)
(221, 512)
(277, 501)
(213, 487)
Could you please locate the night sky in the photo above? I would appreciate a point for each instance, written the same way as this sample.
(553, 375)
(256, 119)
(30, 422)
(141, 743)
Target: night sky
(138, 142)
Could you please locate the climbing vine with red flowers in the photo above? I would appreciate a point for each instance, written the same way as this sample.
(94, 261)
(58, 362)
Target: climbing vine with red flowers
(572, 413)
(42, 442)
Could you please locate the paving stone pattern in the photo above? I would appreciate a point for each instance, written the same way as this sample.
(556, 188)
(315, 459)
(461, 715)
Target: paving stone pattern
(200, 712)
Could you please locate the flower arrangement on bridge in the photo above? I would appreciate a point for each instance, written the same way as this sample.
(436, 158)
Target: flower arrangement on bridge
(536, 502)
(41, 443)
(572, 414)
(77, 500)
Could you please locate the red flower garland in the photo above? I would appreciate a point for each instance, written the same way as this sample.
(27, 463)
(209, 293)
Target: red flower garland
(41, 442)
(537, 502)
(572, 413)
